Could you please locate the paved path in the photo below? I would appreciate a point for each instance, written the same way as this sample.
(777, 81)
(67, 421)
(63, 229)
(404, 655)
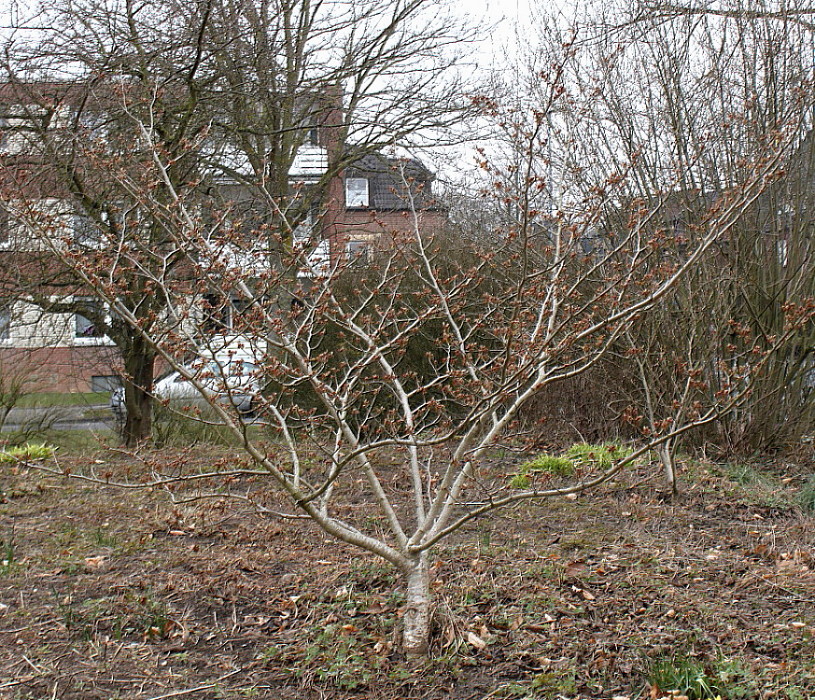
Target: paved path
(96, 417)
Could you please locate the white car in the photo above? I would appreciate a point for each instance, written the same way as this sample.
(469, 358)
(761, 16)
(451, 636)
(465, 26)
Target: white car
(232, 382)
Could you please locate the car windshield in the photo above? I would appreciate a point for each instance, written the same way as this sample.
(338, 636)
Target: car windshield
(214, 370)
(236, 368)
(232, 369)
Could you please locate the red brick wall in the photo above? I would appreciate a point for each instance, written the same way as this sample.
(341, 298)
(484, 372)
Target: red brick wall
(65, 369)
(361, 224)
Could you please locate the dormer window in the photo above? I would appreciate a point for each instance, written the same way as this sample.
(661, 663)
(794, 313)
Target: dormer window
(356, 192)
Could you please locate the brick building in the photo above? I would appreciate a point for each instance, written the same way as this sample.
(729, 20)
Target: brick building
(46, 343)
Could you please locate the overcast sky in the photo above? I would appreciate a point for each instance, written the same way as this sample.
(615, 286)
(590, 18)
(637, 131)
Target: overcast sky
(506, 20)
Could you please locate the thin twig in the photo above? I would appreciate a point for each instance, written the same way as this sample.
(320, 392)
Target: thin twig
(33, 665)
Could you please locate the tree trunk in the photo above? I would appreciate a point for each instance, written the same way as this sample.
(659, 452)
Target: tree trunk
(139, 362)
(416, 635)
(667, 458)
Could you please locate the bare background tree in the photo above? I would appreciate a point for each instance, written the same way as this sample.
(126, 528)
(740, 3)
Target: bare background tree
(680, 100)
(226, 95)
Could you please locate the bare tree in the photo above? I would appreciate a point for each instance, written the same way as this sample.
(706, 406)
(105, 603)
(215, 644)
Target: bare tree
(534, 310)
(552, 291)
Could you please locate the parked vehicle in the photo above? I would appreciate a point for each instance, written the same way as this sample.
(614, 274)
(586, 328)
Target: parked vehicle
(233, 382)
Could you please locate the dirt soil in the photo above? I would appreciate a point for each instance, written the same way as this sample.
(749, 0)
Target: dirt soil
(111, 594)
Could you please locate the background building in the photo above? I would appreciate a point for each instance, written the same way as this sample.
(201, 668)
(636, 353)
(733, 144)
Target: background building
(54, 195)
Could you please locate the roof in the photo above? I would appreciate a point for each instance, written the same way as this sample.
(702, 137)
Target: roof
(388, 180)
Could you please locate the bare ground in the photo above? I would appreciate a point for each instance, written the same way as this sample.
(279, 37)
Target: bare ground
(109, 594)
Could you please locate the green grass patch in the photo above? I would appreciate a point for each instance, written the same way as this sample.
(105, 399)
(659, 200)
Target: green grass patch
(722, 678)
(683, 675)
(602, 456)
(174, 426)
(7, 561)
(79, 441)
(25, 453)
(341, 658)
(554, 685)
(579, 455)
(49, 399)
(807, 496)
(753, 487)
(134, 614)
(551, 464)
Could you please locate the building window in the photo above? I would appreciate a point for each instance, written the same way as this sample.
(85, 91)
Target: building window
(303, 231)
(221, 314)
(86, 231)
(89, 232)
(85, 327)
(217, 316)
(358, 252)
(783, 251)
(356, 192)
(105, 382)
(92, 124)
(5, 321)
(5, 228)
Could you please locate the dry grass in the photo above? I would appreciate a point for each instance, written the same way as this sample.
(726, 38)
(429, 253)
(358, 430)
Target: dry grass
(108, 594)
